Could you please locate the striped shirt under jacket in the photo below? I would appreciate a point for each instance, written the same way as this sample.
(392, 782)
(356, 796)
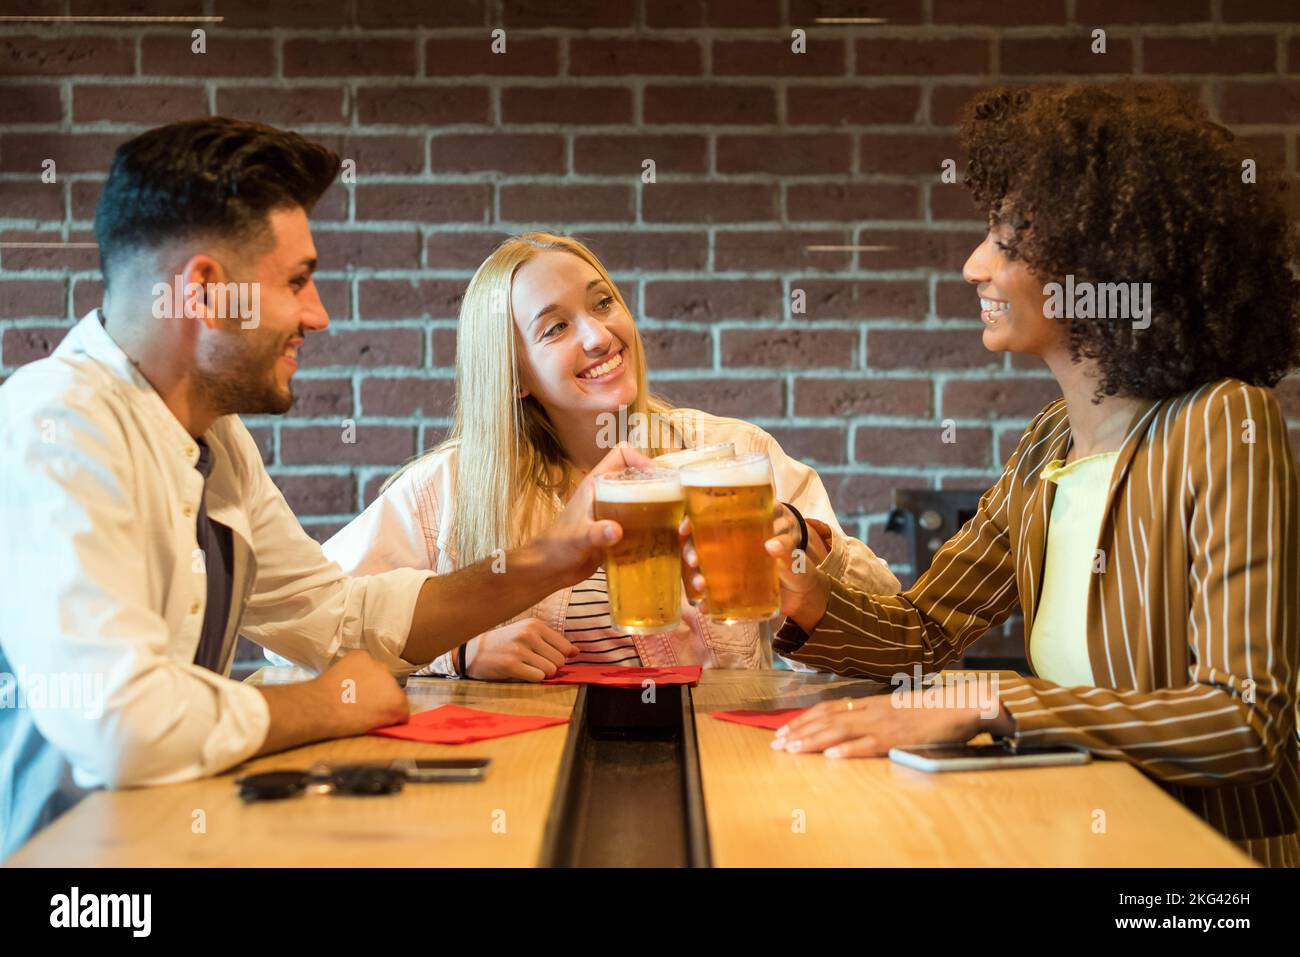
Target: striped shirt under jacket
(1193, 626)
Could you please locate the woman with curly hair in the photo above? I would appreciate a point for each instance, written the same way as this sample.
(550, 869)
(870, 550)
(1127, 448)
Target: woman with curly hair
(1148, 523)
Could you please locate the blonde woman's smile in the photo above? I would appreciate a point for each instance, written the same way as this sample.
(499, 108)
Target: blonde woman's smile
(606, 370)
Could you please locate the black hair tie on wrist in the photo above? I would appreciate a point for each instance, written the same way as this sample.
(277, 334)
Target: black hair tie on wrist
(803, 527)
(460, 660)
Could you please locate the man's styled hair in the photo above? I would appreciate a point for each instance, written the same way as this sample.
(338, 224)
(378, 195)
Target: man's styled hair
(211, 177)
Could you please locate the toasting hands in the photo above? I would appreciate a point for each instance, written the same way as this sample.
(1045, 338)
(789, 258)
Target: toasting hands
(575, 543)
(804, 589)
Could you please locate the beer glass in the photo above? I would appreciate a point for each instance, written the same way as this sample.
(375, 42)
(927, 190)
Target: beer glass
(732, 504)
(679, 459)
(642, 570)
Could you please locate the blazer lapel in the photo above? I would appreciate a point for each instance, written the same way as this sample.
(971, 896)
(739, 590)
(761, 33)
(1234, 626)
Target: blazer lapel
(1032, 511)
(1096, 635)
(1132, 440)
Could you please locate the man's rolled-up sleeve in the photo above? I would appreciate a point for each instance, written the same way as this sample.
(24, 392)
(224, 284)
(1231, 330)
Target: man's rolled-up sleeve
(305, 608)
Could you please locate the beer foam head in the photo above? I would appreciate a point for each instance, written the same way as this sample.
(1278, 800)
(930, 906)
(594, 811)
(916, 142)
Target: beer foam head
(639, 485)
(702, 453)
(749, 469)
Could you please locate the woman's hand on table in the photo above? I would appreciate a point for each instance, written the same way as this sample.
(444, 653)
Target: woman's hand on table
(869, 727)
(524, 650)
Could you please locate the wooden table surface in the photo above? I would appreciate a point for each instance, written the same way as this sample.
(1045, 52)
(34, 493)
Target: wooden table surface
(767, 808)
(497, 822)
(764, 808)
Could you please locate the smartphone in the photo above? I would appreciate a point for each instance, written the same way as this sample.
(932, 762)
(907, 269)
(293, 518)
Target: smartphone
(429, 770)
(981, 757)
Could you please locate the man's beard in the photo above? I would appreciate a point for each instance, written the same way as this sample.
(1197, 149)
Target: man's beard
(244, 381)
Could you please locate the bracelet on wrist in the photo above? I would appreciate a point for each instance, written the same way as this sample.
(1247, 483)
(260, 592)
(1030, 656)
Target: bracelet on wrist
(803, 526)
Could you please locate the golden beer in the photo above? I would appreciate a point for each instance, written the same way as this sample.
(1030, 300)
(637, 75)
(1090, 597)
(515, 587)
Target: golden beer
(681, 459)
(642, 569)
(732, 508)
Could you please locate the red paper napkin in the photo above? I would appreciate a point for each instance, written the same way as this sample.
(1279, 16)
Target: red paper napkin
(614, 676)
(452, 724)
(760, 719)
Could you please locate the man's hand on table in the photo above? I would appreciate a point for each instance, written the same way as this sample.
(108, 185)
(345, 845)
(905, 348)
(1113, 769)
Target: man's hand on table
(869, 727)
(351, 697)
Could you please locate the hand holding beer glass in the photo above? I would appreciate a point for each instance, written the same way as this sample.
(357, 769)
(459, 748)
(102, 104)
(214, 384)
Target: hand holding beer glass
(642, 569)
(681, 459)
(732, 508)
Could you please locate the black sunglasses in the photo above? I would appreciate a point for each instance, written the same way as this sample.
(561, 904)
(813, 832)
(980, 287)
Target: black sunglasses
(348, 779)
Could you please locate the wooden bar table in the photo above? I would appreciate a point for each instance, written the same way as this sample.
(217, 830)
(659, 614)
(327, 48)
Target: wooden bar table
(763, 808)
(773, 809)
(497, 822)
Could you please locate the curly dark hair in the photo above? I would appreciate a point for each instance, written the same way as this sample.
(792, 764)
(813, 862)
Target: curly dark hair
(1134, 183)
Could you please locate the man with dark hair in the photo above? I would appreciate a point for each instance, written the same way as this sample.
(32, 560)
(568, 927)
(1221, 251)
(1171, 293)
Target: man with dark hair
(142, 532)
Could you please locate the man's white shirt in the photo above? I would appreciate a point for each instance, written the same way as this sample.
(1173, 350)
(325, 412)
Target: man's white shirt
(101, 575)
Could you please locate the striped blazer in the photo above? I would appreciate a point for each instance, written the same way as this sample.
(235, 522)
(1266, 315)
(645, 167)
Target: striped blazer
(1193, 615)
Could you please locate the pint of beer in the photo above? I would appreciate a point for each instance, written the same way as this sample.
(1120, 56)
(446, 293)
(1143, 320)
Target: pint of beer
(732, 508)
(642, 569)
(680, 459)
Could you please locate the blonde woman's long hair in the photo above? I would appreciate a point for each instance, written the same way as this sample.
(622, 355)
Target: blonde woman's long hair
(511, 469)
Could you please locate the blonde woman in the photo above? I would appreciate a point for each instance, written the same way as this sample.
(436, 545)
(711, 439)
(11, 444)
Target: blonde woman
(548, 356)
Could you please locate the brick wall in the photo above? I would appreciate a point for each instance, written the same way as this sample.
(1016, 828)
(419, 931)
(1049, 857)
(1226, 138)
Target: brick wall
(760, 154)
